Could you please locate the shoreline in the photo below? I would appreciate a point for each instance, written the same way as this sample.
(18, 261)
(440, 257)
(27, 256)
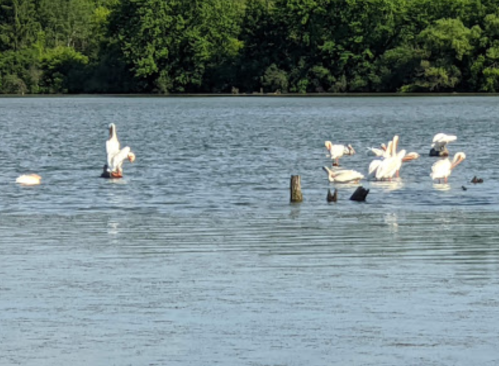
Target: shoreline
(254, 95)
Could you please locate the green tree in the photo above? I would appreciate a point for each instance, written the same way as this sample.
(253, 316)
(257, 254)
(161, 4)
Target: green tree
(18, 25)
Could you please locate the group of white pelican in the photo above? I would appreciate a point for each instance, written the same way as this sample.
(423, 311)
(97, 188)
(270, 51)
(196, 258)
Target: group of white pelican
(114, 162)
(389, 161)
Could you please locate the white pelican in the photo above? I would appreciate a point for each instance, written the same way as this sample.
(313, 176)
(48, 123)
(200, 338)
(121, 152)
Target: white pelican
(410, 156)
(387, 153)
(377, 152)
(343, 176)
(373, 167)
(337, 151)
(439, 145)
(29, 179)
(115, 156)
(443, 168)
(389, 167)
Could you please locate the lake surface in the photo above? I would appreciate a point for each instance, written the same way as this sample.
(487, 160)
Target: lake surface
(196, 257)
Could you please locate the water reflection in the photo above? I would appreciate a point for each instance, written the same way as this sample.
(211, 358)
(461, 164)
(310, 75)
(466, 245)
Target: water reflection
(391, 220)
(391, 185)
(441, 186)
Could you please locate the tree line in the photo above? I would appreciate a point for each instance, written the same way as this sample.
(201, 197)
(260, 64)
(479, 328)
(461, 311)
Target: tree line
(246, 46)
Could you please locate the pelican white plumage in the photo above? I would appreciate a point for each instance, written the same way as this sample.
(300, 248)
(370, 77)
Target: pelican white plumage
(377, 152)
(29, 179)
(343, 176)
(387, 153)
(115, 155)
(410, 156)
(439, 145)
(373, 167)
(337, 151)
(389, 167)
(348, 150)
(442, 169)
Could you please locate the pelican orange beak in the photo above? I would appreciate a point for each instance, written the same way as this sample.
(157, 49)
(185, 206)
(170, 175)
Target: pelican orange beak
(131, 157)
(352, 151)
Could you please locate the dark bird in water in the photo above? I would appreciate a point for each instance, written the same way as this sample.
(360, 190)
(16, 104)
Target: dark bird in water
(360, 194)
(464, 188)
(332, 197)
(476, 180)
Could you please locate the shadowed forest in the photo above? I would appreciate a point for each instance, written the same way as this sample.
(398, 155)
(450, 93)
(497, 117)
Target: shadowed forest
(246, 46)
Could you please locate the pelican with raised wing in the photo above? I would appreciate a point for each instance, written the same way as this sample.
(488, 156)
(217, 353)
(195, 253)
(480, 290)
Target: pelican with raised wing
(115, 155)
(439, 145)
(442, 169)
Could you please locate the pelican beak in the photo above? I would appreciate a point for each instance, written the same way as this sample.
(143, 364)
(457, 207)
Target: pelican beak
(131, 157)
(352, 151)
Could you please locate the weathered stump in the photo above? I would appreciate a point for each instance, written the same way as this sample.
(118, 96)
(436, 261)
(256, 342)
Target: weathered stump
(296, 195)
(332, 197)
(360, 194)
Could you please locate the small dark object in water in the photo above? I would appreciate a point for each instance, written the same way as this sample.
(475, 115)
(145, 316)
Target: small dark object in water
(332, 197)
(476, 180)
(360, 194)
(105, 172)
(464, 188)
(439, 153)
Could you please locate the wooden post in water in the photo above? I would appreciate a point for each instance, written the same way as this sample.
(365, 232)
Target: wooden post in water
(295, 189)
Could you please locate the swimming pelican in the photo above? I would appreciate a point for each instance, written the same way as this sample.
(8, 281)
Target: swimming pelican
(442, 169)
(439, 145)
(29, 179)
(343, 176)
(410, 156)
(115, 156)
(377, 152)
(337, 151)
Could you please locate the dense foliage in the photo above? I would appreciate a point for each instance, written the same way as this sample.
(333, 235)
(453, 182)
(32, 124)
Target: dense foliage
(246, 46)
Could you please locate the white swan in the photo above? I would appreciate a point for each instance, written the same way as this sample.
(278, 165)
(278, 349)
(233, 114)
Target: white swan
(29, 179)
(343, 176)
(337, 151)
(442, 169)
(115, 156)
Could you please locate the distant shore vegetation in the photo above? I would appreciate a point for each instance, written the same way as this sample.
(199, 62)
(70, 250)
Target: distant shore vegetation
(248, 46)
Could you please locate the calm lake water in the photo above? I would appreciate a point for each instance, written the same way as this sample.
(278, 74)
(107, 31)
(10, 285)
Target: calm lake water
(196, 257)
